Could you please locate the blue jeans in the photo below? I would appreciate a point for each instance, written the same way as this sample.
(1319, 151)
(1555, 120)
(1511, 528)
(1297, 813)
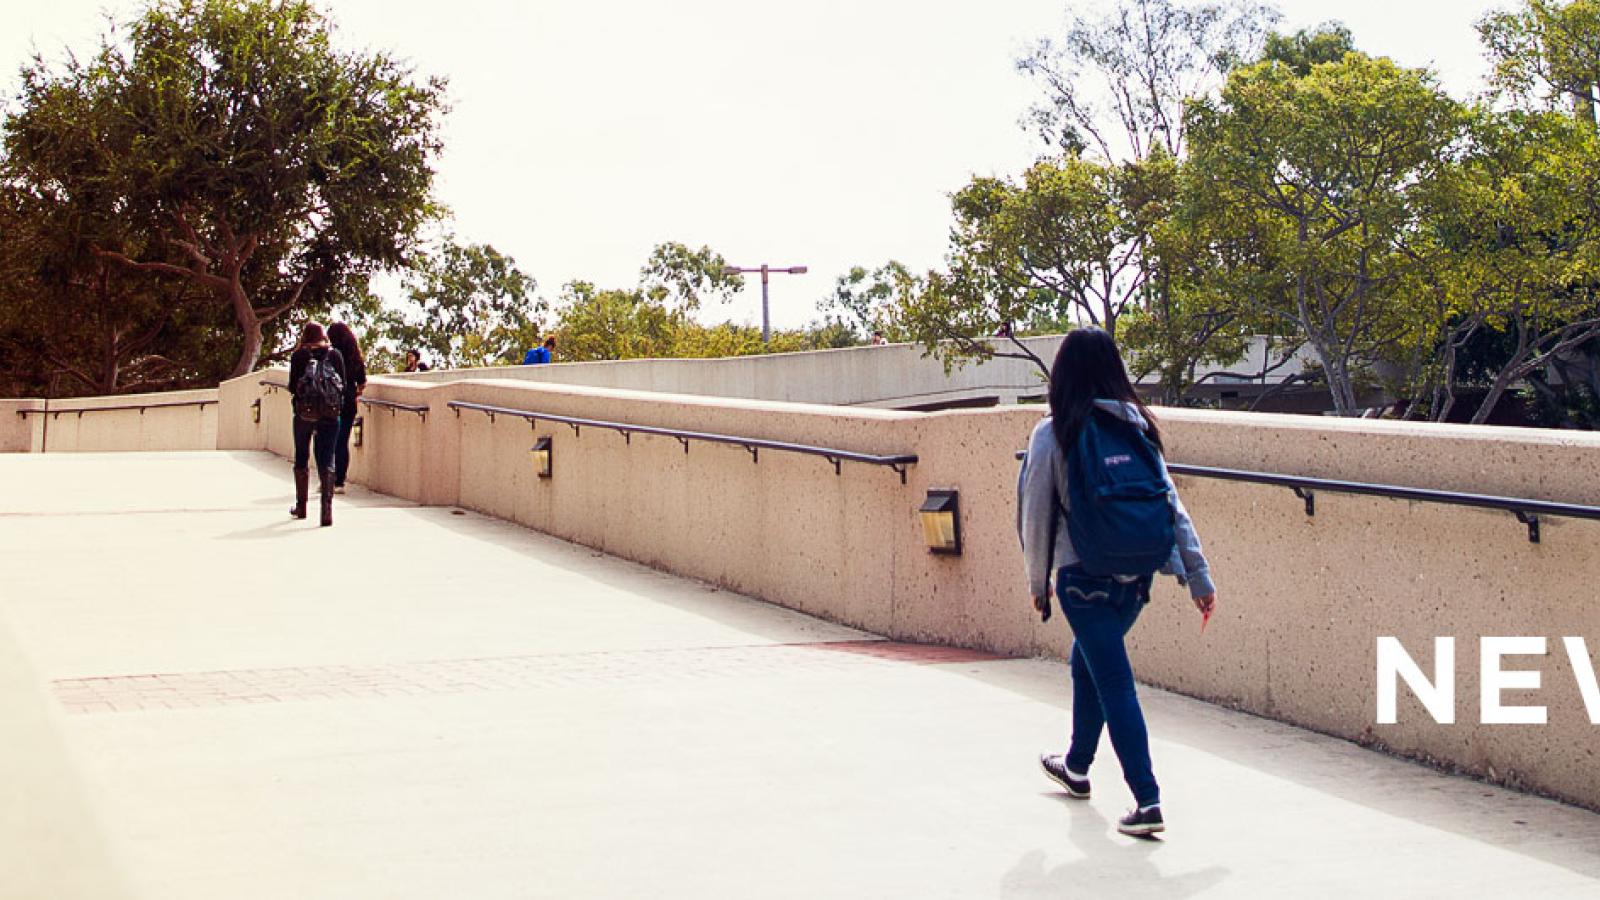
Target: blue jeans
(326, 432)
(1100, 611)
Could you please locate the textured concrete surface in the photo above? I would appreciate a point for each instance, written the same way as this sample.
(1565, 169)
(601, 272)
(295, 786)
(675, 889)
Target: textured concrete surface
(1303, 598)
(896, 375)
(173, 422)
(418, 703)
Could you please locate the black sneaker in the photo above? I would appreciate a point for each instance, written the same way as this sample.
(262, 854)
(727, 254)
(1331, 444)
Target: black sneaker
(1142, 822)
(1055, 765)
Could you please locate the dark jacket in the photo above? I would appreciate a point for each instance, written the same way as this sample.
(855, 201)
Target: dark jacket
(356, 376)
(297, 367)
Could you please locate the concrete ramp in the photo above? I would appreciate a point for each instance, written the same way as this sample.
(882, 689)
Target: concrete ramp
(426, 703)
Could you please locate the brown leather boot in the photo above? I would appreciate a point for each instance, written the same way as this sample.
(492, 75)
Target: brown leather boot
(327, 497)
(302, 486)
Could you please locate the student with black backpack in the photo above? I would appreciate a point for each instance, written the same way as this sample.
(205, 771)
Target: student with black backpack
(316, 386)
(1097, 510)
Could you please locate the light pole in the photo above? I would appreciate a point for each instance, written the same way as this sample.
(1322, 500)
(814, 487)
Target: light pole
(766, 319)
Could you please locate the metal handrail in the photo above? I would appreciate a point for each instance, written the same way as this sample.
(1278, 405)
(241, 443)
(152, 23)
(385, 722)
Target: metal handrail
(898, 463)
(1526, 510)
(393, 407)
(141, 407)
(390, 405)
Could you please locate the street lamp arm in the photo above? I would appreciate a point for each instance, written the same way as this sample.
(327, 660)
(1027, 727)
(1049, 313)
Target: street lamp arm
(766, 319)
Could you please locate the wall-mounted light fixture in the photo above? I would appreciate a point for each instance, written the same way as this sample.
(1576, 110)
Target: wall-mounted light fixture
(542, 452)
(941, 522)
(255, 411)
(357, 430)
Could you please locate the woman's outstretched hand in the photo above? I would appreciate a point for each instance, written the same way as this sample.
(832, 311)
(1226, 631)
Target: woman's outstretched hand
(1042, 604)
(1206, 604)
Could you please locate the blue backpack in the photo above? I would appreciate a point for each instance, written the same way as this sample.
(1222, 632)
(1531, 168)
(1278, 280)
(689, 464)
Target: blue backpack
(1121, 519)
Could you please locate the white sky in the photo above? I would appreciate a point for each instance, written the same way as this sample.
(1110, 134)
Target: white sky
(828, 134)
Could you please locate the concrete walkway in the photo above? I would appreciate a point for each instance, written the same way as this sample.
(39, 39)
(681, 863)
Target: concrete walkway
(424, 703)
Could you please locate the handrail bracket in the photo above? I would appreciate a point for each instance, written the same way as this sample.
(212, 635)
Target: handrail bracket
(1309, 496)
(1532, 521)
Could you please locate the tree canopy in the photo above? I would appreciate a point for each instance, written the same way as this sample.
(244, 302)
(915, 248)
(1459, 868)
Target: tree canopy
(175, 203)
(655, 318)
(230, 146)
(468, 305)
(1213, 180)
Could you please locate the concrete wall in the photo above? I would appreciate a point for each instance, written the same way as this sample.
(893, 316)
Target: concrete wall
(93, 425)
(20, 433)
(50, 844)
(1303, 599)
(895, 375)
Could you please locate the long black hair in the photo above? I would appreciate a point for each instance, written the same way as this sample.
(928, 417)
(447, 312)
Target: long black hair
(344, 341)
(1089, 368)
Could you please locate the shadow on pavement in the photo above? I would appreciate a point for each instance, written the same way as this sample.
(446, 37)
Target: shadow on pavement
(1114, 867)
(1562, 835)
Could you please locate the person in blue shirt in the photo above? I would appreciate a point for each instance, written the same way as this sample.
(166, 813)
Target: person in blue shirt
(542, 354)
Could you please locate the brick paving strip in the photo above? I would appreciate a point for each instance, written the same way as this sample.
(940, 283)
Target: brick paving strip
(189, 690)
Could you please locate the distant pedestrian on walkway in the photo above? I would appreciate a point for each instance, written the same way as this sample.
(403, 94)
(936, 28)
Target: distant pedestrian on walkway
(544, 353)
(1097, 509)
(414, 362)
(355, 366)
(317, 385)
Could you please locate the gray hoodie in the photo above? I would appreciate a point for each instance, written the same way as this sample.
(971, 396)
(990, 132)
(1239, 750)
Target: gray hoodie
(1042, 498)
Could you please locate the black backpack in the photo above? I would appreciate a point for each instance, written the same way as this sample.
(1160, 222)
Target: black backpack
(319, 394)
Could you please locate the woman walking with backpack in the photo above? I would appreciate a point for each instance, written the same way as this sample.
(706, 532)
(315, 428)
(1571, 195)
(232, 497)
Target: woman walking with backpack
(1098, 512)
(344, 341)
(316, 386)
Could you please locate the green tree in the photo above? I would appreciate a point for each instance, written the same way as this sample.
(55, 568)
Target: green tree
(1190, 315)
(683, 278)
(245, 154)
(469, 306)
(73, 323)
(1521, 278)
(1071, 241)
(963, 316)
(865, 300)
(1326, 172)
(608, 324)
(1054, 247)
(1116, 87)
(655, 318)
(1185, 315)
(1327, 43)
(1548, 51)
